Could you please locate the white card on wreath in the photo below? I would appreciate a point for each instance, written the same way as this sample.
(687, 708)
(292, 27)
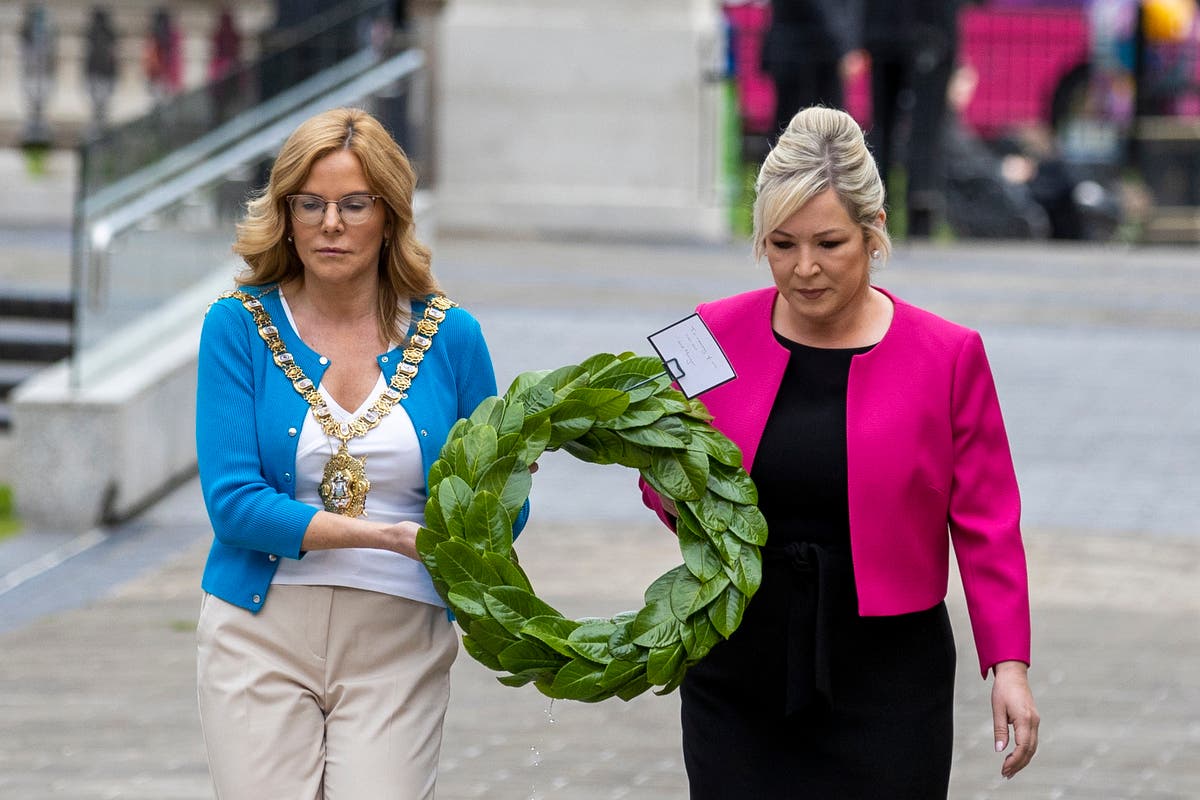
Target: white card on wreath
(692, 356)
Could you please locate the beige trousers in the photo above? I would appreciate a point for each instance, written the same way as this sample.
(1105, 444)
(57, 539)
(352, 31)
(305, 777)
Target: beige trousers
(326, 694)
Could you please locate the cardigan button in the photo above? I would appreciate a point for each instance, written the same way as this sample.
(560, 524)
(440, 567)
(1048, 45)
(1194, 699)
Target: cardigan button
(257, 599)
(323, 360)
(272, 557)
(291, 431)
(287, 476)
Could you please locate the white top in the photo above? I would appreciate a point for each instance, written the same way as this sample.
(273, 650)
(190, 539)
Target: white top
(397, 493)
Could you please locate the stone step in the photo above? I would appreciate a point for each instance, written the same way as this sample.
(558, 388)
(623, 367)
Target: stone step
(43, 341)
(31, 304)
(12, 375)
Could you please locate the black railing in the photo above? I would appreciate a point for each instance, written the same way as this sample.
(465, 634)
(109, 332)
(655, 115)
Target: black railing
(286, 58)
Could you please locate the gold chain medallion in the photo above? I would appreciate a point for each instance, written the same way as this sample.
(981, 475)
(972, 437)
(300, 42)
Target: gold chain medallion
(344, 484)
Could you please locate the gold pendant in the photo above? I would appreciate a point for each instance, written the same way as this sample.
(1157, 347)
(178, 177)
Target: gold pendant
(344, 485)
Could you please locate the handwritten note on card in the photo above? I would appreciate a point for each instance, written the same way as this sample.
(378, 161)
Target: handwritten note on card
(692, 356)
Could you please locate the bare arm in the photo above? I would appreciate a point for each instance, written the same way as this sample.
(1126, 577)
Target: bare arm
(329, 531)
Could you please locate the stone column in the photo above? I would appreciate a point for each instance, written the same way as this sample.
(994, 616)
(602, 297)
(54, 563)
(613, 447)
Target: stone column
(592, 117)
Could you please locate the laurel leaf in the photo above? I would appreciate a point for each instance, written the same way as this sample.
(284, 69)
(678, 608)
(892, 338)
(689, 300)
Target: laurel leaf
(679, 474)
(749, 525)
(489, 527)
(655, 626)
(715, 444)
(569, 420)
(466, 599)
(746, 571)
(489, 412)
(458, 562)
(480, 653)
(513, 607)
(605, 404)
(523, 678)
(529, 654)
(732, 484)
(479, 451)
(516, 492)
(590, 641)
(510, 572)
(698, 636)
(664, 664)
(577, 680)
(454, 496)
(522, 384)
(726, 611)
(551, 631)
(689, 594)
(621, 645)
(701, 558)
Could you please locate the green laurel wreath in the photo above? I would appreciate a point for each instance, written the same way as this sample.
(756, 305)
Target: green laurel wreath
(606, 410)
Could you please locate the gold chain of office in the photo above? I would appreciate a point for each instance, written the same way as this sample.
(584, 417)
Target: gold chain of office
(344, 482)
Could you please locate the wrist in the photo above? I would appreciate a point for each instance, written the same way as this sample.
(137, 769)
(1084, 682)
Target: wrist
(1010, 669)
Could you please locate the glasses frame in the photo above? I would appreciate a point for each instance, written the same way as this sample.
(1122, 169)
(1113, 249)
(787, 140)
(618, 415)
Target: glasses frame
(336, 203)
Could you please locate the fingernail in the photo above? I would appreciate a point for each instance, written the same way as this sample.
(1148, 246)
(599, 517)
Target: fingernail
(999, 746)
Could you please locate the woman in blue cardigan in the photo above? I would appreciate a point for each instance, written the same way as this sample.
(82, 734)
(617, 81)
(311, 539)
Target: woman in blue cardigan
(327, 385)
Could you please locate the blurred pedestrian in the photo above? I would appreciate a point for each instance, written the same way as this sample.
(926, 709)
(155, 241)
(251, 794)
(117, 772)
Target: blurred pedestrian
(100, 65)
(811, 48)
(327, 386)
(224, 61)
(987, 194)
(874, 436)
(39, 61)
(226, 51)
(912, 46)
(162, 56)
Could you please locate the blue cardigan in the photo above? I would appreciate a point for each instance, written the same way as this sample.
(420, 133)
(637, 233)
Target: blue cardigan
(248, 420)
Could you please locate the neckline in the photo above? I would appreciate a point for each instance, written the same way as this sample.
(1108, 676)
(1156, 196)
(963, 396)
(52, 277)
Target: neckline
(784, 344)
(794, 346)
(295, 329)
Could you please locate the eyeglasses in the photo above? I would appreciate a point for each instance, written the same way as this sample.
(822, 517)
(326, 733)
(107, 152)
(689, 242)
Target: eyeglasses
(354, 209)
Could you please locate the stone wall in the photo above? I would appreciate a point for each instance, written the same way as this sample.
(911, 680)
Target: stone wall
(580, 116)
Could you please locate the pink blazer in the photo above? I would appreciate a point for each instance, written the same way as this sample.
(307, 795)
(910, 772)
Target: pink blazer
(928, 464)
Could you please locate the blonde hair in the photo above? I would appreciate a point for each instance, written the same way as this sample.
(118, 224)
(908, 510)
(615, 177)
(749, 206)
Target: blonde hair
(822, 148)
(404, 263)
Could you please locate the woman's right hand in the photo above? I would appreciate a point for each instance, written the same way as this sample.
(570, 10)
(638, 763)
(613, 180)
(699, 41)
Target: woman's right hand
(328, 531)
(401, 537)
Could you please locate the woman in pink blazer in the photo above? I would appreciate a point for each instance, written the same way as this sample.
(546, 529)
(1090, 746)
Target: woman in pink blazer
(874, 435)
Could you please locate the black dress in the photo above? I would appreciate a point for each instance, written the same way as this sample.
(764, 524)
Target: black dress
(808, 699)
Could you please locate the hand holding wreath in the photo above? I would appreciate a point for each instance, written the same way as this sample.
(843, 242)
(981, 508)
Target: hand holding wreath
(607, 410)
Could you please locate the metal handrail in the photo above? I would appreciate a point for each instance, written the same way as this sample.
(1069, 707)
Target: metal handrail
(260, 143)
(100, 220)
(285, 56)
(235, 129)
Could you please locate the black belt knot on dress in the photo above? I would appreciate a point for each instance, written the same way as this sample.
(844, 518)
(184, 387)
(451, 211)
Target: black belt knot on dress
(820, 575)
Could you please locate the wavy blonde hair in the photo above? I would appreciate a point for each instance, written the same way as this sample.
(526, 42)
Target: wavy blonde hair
(404, 263)
(822, 148)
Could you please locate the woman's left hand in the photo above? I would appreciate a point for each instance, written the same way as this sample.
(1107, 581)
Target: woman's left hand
(1012, 705)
